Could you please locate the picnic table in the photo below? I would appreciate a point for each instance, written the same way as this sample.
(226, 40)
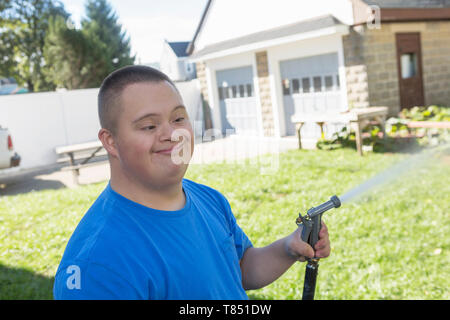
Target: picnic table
(79, 155)
(357, 118)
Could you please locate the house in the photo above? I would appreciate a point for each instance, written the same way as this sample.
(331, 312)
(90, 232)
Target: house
(175, 61)
(259, 62)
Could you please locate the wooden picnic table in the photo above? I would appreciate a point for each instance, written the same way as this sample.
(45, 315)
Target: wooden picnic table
(79, 155)
(357, 118)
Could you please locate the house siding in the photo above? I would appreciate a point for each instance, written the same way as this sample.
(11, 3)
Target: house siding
(371, 64)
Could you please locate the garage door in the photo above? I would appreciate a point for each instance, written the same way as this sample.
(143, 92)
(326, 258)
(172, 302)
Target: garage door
(311, 85)
(237, 101)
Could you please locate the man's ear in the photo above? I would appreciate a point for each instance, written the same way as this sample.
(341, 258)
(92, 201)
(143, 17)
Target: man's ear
(107, 139)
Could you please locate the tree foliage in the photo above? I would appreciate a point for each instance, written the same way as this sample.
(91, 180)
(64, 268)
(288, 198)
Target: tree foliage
(101, 24)
(83, 58)
(42, 51)
(23, 25)
(73, 59)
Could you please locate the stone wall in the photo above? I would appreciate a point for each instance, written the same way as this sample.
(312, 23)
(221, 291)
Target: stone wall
(371, 64)
(355, 69)
(371, 68)
(265, 94)
(436, 62)
(201, 75)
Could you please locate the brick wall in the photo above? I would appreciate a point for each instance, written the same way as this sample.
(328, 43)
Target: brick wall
(355, 69)
(201, 75)
(436, 62)
(371, 68)
(371, 64)
(265, 93)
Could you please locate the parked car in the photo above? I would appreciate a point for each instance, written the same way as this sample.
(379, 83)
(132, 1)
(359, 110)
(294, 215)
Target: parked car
(8, 157)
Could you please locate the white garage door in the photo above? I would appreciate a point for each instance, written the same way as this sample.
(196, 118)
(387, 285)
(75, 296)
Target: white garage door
(237, 101)
(311, 85)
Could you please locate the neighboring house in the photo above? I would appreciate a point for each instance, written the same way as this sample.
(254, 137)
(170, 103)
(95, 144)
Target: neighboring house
(10, 86)
(261, 63)
(175, 61)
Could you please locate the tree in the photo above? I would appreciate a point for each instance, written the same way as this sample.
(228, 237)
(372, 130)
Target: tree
(102, 27)
(73, 59)
(24, 24)
(7, 51)
(83, 58)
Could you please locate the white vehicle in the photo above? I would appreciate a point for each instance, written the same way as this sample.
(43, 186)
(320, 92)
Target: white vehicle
(8, 158)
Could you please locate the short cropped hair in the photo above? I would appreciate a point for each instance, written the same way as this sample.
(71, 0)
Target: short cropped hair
(113, 86)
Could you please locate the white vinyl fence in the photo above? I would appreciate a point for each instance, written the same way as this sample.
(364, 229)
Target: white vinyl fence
(40, 122)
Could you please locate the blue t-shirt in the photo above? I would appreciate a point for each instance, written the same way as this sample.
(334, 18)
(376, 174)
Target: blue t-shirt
(124, 250)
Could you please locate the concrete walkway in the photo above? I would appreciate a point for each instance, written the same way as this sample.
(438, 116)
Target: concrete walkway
(227, 150)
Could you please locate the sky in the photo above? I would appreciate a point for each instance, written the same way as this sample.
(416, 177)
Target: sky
(149, 22)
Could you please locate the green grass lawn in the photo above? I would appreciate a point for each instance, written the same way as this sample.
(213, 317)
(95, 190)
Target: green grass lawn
(391, 244)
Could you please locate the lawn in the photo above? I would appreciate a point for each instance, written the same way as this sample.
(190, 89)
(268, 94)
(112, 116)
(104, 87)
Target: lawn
(391, 244)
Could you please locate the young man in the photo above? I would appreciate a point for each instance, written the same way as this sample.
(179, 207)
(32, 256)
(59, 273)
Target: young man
(152, 234)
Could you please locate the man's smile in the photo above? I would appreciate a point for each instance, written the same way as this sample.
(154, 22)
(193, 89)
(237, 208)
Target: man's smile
(165, 151)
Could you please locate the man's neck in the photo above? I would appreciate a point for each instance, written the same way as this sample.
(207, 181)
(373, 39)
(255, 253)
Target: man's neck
(169, 198)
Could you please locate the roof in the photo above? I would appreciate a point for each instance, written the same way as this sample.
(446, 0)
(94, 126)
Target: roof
(408, 4)
(279, 32)
(191, 46)
(179, 48)
(383, 4)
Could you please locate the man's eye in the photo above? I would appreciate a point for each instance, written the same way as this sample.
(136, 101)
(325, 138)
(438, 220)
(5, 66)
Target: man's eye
(149, 128)
(179, 119)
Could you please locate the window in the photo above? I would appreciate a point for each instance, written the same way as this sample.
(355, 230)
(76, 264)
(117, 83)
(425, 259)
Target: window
(306, 85)
(229, 93)
(285, 85)
(234, 91)
(317, 84)
(295, 86)
(328, 83)
(241, 91)
(224, 93)
(249, 90)
(408, 63)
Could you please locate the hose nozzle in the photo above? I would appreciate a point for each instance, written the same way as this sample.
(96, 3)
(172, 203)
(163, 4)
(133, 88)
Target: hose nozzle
(334, 202)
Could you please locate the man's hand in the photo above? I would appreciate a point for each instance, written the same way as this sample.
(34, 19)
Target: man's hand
(298, 249)
(262, 266)
(322, 246)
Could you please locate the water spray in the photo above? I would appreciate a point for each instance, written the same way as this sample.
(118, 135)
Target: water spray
(311, 222)
(408, 165)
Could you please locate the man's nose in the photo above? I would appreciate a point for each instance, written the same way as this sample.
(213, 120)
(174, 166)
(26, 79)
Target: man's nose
(166, 131)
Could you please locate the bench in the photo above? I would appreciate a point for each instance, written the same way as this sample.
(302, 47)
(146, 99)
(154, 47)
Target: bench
(427, 125)
(79, 155)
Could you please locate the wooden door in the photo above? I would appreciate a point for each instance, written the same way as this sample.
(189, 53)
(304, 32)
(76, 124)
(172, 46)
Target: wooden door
(409, 66)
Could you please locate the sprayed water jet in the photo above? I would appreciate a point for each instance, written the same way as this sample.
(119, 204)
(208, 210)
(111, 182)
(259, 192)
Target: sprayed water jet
(396, 171)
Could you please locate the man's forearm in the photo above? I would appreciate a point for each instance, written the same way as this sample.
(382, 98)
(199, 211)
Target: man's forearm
(262, 266)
